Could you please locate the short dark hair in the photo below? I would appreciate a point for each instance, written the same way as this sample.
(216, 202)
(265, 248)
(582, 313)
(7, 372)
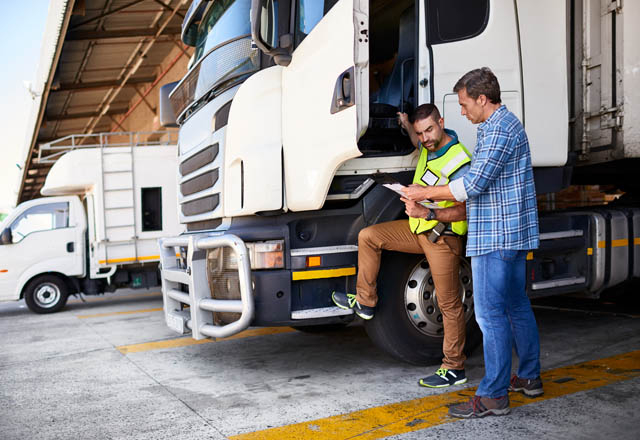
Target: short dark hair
(423, 111)
(480, 82)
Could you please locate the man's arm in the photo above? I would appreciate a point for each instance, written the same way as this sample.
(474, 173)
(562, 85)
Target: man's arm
(403, 120)
(446, 215)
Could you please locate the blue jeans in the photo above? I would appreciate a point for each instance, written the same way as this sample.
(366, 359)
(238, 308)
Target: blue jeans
(504, 314)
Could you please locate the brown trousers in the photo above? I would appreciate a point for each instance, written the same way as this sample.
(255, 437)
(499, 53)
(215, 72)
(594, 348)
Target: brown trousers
(444, 263)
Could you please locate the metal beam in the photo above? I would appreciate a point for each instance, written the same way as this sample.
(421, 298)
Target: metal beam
(83, 115)
(168, 8)
(106, 14)
(119, 33)
(98, 85)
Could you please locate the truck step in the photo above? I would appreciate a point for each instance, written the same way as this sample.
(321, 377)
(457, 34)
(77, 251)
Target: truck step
(558, 283)
(323, 312)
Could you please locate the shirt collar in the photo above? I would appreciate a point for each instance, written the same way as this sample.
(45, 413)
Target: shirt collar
(495, 116)
(444, 149)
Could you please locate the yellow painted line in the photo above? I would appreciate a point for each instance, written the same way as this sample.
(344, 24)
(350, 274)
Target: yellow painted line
(3, 271)
(614, 243)
(185, 342)
(619, 243)
(127, 312)
(636, 241)
(530, 256)
(124, 260)
(324, 273)
(418, 414)
(589, 251)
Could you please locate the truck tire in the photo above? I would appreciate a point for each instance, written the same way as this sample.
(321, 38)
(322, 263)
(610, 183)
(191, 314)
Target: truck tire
(46, 294)
(407, 322)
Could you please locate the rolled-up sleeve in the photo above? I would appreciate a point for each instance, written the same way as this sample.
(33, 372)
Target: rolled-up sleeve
(457, 189)
(488, 161)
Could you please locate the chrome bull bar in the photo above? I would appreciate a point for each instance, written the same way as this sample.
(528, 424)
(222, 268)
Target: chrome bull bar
(198, 318)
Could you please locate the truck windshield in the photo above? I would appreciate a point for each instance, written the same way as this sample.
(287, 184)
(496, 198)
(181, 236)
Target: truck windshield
(223, 52)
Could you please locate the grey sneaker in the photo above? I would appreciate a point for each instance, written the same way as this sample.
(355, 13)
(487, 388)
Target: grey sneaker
(443, 378)
(348, 301)
(528, 387)
(479, 406)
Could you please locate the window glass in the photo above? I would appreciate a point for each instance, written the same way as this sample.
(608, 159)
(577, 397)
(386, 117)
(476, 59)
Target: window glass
(223, 21)
(453, 20)
(40, 218)
(308, 14)
(269, 23)
(152, 209)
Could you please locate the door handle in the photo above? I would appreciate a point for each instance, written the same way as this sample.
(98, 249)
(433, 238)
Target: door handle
(344, 92)
(70, 247)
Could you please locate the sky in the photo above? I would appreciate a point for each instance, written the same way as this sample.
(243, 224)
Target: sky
(22, 26)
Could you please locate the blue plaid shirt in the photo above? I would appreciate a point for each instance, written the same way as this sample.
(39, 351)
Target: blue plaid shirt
(501, 208)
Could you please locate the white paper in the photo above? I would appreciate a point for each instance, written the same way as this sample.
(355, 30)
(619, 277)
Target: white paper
(398, 187)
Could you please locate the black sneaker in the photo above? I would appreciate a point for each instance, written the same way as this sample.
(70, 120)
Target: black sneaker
(480, 407)
(528, 387)
(443, 378)
(348, 301)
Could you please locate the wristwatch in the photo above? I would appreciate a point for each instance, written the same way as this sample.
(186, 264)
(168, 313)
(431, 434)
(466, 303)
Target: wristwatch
(431, 215)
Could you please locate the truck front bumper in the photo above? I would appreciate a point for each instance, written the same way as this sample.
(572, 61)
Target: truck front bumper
(185, 283)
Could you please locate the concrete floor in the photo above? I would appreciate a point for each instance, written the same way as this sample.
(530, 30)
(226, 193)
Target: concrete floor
(62, 376)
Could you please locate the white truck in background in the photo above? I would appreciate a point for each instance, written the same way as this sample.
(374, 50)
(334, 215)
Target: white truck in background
(107, 204)
(278, 146)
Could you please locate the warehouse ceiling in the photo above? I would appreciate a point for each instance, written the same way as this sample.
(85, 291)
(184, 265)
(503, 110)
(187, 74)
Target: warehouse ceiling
(109, 53)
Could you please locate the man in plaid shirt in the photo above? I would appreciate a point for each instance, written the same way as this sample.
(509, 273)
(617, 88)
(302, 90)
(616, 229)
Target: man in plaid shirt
(503, 226)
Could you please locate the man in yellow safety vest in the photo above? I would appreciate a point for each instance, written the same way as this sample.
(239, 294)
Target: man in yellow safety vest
(435, 232)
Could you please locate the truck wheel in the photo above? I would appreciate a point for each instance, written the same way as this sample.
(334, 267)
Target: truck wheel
(407, 322)
(46, 294)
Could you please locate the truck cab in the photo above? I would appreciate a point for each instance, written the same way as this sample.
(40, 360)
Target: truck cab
(42, 236)
(284, 123)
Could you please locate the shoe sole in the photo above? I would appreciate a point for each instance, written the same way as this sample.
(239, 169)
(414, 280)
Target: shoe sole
(365, 317)
(528, 393)
(489, 412)
(459, 382)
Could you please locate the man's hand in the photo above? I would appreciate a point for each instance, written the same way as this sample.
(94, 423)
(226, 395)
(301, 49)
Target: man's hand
(417, 193)
(403, 121)
(413, 209)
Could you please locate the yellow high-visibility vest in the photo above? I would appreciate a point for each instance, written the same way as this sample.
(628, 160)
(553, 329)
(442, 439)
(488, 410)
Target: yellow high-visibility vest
(437, 172)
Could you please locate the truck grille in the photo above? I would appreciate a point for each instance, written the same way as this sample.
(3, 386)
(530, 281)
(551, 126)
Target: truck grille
(201, 187)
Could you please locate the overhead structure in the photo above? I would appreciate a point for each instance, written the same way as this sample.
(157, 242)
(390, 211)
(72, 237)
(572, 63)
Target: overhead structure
(102, 60)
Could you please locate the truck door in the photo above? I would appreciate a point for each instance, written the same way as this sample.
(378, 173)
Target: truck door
(45, 237)
(457, 36)
(325, 96)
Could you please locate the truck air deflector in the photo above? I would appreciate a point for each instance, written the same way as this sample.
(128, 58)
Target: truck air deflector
(190, 274)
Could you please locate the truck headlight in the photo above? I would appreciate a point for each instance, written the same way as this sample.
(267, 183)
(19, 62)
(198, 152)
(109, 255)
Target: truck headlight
(262, 254)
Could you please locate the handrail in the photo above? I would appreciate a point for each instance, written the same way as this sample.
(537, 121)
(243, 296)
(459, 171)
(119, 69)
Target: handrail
(72, 142)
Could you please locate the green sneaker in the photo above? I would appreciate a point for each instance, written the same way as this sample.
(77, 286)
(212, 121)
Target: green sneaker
(348, 301)
(443, 378)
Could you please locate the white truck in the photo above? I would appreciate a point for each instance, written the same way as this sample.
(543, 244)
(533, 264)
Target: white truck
(284, 120)
(107, 205)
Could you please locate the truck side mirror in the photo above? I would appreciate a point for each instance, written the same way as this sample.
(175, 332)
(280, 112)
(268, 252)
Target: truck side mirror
(167, 115)
(6, 237)
(264, 30)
